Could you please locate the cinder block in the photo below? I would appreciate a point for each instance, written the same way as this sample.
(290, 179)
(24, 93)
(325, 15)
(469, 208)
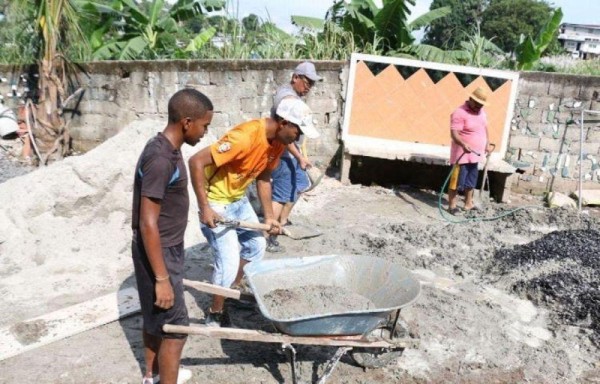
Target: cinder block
(564, 116)
(144, 99)
(534, 115)
(194, 79)
(574, 133)
(167, 78)
(256, 105)
(551, 145)
(593, 135)
(226, 78)
(591, 92)
(163, 93)
(591, 148)
(521, 101)
(524, 142)
(226, 104)
(526, 114)
(99, 107)
(325, 90)
(529, 186)
(545, 102)
(563, 89)
(550, 116)
(566, 186)
(595, 105)
(318, 105)
(220, 119)
(535, 129)
(532, 88)
(257, 77)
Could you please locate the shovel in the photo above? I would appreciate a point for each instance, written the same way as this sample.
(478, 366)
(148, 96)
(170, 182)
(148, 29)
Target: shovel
(314, 176)
(295, 231)
(484, 191)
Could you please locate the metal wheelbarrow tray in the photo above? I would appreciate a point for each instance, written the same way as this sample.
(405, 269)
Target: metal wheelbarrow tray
(389, 286)
(375, 338)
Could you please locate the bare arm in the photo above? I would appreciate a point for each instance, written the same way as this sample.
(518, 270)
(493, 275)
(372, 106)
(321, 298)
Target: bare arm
(303, 161)
(149, 213)
(263, 187)
(456, 138)
(197, 164)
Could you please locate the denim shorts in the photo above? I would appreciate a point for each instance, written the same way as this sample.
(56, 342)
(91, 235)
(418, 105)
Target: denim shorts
(231, 244)
(467, 178)
(289, 180)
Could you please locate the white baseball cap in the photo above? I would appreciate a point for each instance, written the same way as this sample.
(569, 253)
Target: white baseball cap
(297, 112)
(307, 69)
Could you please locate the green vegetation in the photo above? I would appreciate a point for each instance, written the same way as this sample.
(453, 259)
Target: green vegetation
(482, 33)
(529, 51)
(449, 32)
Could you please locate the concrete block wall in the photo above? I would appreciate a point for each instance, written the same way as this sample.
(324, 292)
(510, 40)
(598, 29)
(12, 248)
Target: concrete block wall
(545, 133)
(544, 138)
(117, 93)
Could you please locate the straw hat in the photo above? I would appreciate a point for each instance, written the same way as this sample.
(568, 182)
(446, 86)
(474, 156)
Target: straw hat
(480, 95)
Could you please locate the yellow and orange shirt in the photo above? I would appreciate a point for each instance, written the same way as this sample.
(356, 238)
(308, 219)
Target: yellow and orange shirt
(240, 156)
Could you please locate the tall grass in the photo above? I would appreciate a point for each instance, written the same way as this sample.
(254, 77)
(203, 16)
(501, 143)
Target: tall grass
(569, 65)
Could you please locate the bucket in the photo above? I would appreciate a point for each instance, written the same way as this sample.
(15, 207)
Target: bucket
(8, 123)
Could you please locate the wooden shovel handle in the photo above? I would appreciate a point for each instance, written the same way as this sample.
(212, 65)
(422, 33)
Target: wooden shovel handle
(252, 225)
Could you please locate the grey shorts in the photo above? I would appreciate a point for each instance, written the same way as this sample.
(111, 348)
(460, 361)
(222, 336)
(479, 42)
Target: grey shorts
(154, 317)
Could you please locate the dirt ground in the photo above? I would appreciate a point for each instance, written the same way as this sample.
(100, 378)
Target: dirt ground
(475, 320)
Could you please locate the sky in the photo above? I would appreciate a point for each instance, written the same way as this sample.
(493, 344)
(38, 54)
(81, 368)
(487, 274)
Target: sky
(279, 12)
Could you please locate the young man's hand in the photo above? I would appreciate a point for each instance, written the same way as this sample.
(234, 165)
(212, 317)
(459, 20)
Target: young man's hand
(304, 163)
(209, 217)
(275, 226)
(165, 298)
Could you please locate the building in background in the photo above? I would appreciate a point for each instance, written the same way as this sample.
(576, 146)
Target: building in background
(581, 40)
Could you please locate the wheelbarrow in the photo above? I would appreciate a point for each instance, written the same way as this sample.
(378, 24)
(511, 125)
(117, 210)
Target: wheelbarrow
(374, 338)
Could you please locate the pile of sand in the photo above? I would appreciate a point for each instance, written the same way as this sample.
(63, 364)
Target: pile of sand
(66, 233)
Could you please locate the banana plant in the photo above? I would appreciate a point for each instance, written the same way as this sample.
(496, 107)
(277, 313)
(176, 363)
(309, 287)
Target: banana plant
(129, 32)
(388, 26)
(529, 52)
(57, 25)
(479, 51)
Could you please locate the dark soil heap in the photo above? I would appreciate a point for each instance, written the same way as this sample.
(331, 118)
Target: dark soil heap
(562, 273)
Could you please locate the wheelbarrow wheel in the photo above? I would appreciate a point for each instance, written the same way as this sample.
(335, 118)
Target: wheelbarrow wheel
(377, 357)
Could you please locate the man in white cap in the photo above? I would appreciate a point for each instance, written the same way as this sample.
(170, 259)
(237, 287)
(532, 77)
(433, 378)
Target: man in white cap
(220, 175)
(470, 143)
(290, 179)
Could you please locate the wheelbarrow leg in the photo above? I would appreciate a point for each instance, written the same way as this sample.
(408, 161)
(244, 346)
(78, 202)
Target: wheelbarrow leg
(289, 348)
(331, 364)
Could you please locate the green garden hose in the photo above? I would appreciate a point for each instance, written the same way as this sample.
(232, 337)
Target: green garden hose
(452, 219)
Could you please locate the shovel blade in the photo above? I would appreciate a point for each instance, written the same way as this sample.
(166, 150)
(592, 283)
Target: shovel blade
(300, 231)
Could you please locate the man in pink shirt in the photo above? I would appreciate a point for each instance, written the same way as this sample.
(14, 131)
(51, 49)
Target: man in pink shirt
(468, 129)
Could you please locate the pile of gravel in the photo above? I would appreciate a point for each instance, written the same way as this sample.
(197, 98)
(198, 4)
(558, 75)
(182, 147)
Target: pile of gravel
(560, 271)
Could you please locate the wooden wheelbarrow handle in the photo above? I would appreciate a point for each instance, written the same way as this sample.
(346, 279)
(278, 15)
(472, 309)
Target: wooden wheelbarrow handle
(218, 290)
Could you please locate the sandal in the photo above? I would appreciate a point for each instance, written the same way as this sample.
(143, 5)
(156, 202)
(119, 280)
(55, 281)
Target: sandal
(454, 211)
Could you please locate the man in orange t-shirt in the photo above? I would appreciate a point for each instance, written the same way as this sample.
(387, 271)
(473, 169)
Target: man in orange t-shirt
(220, 175)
